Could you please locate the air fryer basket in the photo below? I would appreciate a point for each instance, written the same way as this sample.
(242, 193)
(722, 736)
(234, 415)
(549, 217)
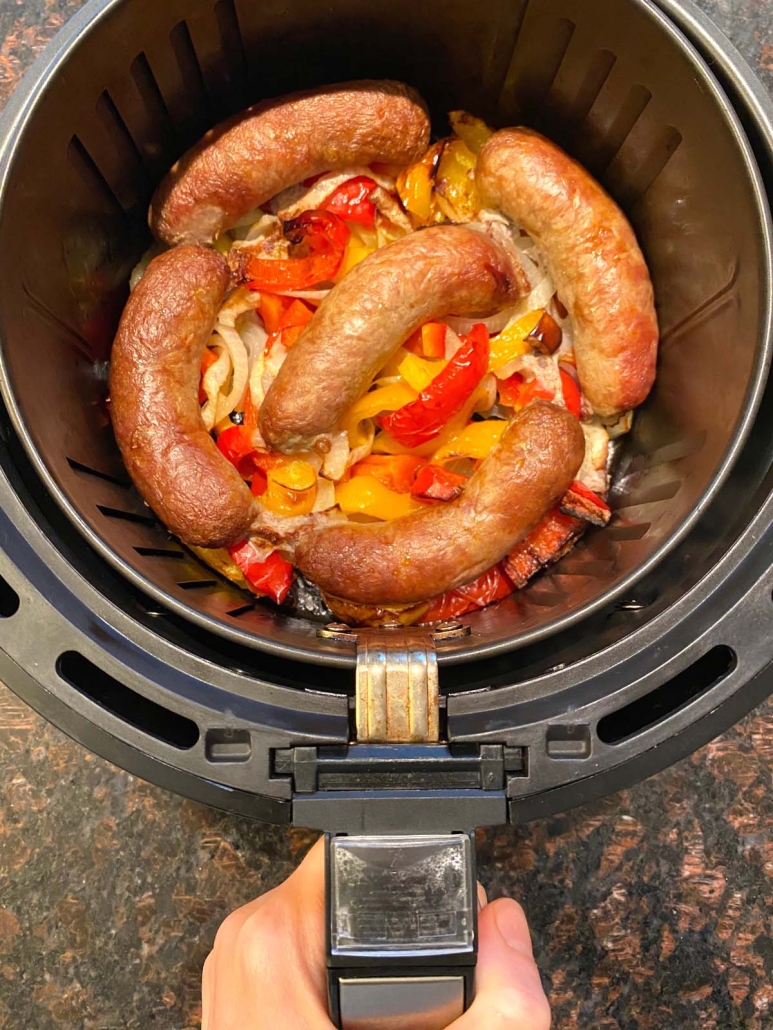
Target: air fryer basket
(614, 86)
(645, 641)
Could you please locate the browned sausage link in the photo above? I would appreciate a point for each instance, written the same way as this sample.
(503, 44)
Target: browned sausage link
(440, 548)
(446, 270)
(593, 256)
(154, 378)
(246, 160)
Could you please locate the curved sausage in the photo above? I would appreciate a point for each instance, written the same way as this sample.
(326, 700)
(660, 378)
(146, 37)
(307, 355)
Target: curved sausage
(442, 547)
(446, 270)
(594, 260)
(248, 159)
(154, 378)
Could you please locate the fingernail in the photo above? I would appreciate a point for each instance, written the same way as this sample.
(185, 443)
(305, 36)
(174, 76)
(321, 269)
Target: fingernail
(512, 926)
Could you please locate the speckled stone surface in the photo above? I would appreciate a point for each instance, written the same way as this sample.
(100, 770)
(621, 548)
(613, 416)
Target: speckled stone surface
(650, 909)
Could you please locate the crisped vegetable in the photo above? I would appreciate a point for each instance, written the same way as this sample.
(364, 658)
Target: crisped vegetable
(517, 393)
(455, 192)
(372, 615)
(415, 186)
(552, 538)
(365, 495)
(472, 130)
(318, 239)
(270, 576)
(423, 419)
(547, 335)
(582, 503)
(435, 483)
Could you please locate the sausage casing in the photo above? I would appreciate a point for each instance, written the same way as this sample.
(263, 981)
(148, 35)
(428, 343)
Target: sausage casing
(437, 549)
(445, 270)
(154, 379)
(248, 159)
(593, 256)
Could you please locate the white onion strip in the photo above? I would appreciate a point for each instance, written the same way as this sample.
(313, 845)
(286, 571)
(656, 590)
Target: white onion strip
(238, 352)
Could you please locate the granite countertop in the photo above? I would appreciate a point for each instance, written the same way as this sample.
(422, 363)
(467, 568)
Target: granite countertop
(650, 909)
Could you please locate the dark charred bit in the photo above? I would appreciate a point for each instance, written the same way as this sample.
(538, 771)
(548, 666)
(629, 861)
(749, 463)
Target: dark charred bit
(547, 335)
(582, 503)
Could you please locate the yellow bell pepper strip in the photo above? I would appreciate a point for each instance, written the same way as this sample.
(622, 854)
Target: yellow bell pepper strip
(513, 342)
(424, 418)
(472, 130)
(435, 483)
(429, 341)
(476, 441)
(362, 243)
(364, 495)
(268, 577)
(262, 462)
(395, 471)
(291, 488)
(320, 238)
(415, 186)
(384, 398)
(456, 194)
(485, 590)
(351, 201)
(419, 372)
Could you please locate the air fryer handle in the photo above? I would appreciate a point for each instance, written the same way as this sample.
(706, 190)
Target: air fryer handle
(401, 919)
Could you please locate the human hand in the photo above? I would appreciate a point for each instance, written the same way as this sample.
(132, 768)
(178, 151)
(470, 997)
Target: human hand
(267, 967)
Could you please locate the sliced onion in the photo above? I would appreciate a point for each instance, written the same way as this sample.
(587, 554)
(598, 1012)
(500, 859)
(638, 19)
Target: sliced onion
(494, 323)
(238, 303)
(296, 199)
(453, 343)
(254, 337)
(257, 371)
(212, 383)
(336, 460)
(326, 495)
(368, 427)
(313, 296)
(271, 365)
(241, 370)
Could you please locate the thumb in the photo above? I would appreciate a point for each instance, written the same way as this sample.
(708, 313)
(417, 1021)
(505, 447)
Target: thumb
(509, 994)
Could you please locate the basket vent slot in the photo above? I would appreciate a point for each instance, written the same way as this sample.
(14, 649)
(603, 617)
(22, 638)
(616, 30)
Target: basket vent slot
(91, 176)
(127, 516)
(160, 552)
(645, 712)
(9, 600)
(188, 62)
(125, 703)
(197, 584)
(78, 466)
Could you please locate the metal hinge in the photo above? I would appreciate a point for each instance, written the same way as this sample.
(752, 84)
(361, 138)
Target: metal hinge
(397, 694)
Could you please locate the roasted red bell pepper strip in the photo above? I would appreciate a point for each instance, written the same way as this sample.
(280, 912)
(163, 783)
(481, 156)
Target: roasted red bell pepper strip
(491, 586)
(552, 538)
(395, 471)
(423, 419)
(322, 237)
(270, 577)
(517, 393)
(235, 444)
(429, 341)
(435, 483)
(292, 323)
(581, 503)
(262, 462)
(272, 309)
(352, 202)
(571, 392)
